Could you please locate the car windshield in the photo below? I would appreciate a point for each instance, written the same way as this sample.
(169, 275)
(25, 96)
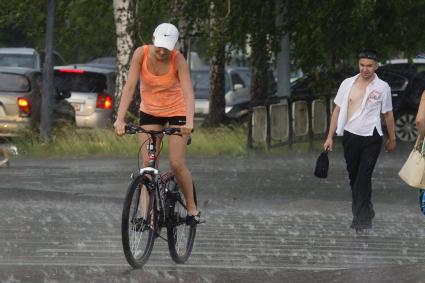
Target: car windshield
(79, 81)
(13, 83)
(17, 60)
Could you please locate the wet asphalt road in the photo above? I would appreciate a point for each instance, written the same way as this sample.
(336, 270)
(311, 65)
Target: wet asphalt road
(268, 219)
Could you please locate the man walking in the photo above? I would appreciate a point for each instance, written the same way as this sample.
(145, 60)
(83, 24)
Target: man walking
(359, 103)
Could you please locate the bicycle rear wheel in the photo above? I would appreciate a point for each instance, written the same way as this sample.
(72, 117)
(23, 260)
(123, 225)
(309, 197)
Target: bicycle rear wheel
(180, 236)
(138, 224)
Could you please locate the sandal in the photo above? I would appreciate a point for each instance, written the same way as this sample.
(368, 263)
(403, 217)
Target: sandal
(140, 225)
(193, 220)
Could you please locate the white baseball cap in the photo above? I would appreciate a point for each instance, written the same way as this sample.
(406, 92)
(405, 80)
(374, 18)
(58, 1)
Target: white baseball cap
(166, 36)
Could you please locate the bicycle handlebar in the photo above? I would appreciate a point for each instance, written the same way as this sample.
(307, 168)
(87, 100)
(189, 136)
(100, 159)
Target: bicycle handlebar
(134, 129)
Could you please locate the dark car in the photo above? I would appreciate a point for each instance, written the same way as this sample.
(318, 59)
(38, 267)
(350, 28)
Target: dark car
(320, 83)
(407, 81)
(20, 101)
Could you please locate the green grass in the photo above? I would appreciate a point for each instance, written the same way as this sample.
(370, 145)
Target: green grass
(71, 142)
(225, 140)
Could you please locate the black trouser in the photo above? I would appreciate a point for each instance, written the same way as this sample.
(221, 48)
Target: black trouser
(361, 153)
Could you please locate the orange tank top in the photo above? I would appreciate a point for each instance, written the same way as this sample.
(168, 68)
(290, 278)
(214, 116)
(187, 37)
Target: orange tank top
(161, 96)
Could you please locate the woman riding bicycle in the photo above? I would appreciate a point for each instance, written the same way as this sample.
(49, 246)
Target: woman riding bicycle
(166, 94)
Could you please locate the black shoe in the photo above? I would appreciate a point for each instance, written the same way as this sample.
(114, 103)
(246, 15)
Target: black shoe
(139, 225)
(360, 227)
(363, 231)
(193, 220)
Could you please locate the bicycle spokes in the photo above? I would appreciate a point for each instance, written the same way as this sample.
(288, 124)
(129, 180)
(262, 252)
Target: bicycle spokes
(139, 218)
(137, 235)
(180, 236)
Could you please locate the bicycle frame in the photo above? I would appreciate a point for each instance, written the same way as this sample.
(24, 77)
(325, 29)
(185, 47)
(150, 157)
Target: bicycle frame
(154, 183)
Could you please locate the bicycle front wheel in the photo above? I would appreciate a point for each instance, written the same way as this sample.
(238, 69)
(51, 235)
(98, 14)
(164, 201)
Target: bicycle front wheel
(138, 223)
(180, 236)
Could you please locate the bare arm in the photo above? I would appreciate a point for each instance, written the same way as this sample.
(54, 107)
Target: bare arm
(128, 91)
(391, 141)
(332, 129)
(187, 89)
(420, 116)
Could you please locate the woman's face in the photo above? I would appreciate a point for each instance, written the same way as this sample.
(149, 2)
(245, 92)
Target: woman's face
(161, 54)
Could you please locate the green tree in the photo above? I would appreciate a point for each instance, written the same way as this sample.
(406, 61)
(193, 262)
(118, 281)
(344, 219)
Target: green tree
(23, 23)
(260, 18)
(83, 28)
(330, 33)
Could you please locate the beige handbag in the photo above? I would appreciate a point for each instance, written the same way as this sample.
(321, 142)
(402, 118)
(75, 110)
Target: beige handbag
(413, 170)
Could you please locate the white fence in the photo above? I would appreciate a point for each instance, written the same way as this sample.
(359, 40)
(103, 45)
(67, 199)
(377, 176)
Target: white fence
(290, 120)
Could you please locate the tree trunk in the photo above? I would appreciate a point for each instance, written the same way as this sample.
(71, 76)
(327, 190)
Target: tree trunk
(283, 62)
(124, 16)
(216, 114)
(259, 73)
(217, 48)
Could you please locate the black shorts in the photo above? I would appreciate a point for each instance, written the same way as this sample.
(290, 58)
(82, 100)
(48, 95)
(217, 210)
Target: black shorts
(146, 119)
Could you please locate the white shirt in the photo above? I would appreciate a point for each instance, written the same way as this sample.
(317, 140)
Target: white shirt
(377, 100)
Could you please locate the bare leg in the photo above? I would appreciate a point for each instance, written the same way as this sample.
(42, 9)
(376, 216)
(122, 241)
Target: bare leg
(144, 202)
(143, 139)
(5, 156)
(177, 153)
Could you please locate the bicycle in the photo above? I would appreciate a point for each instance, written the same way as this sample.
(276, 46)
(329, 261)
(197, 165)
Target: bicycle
(154, 201)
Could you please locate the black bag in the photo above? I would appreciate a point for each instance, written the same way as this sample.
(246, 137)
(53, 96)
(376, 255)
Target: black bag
(322, 165)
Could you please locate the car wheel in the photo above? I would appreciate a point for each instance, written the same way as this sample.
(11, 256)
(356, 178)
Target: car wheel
(405, 127)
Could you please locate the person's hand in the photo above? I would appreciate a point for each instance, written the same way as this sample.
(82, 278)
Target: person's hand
(328, 144)
(186, 130)
(119, 127)
(390, 145)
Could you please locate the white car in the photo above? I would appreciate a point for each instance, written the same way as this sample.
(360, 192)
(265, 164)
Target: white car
(24, 57)
(236, 90)
(20, 57)
(92, 93)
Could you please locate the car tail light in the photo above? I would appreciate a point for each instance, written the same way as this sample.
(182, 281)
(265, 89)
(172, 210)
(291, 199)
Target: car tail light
(74, 71)
(104, 101)
(24, 107)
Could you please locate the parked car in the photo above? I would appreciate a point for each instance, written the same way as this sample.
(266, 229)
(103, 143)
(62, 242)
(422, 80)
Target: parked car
(103, 62)
(92, 92)
(26, 58)
(20, 57)
(321, 83)
(237, 90)
(20, 101)
(407, 81)
(57, 59)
